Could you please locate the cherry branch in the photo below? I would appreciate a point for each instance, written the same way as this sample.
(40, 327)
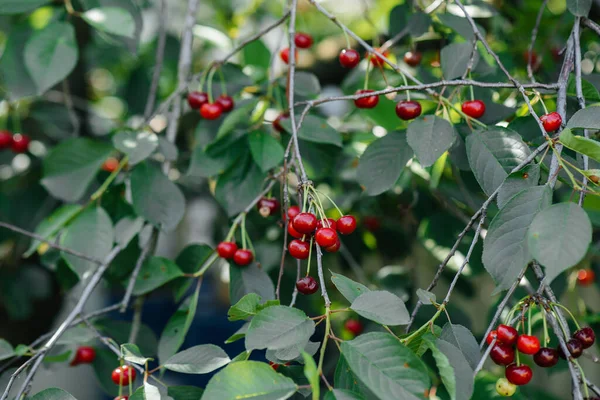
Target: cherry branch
(148, 248)
(159, 59)
(580, 98)
(592, 25)
(322, 277)
(534, 33)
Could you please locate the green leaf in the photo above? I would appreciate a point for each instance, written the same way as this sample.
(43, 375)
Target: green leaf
(70, 167)
(52, 224)
(200, 359)
(239, 185)
(292, 353)
(312, 374)
(315, 129)
(430, 136)
(147, 392)
(120, 330)
(92, 234)
(455, 59)
(460, 25)
(257, 53)
(493, 154)
(16, 80)
(127, 228)
(427, 298)
(249, 380)
(306, 85)
(382, 163)
(382, 307)
(279, 327)
(505, 251)
(238, 119)
(185, 392)
(580, 144)
(136, 145)
(76, 335)
(155, 197)
(456, 373)
(559, 237)
(177, 328)
(239, 334)
(418, 24)
(155, 272)
(51, 55)
(250, 279)
(20, 6)
(399, 17)
(386, 367)
(115, 20)
(193, 256)
(463, 339)
(585, 118)
(347, 287)
(589, 91)
(248, 306)
(130, 352)
(266, 151)
(579, 8)
(6, 350)
(342, 394)
(525, 178)
(53, 394)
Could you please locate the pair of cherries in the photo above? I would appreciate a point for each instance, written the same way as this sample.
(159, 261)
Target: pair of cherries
(302, 41)
(200, 101)
(17, 143)
(230, 250)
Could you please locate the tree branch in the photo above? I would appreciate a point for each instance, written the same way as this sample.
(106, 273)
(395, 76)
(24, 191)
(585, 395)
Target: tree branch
(534, 33)
(159, 58)
(322, 277)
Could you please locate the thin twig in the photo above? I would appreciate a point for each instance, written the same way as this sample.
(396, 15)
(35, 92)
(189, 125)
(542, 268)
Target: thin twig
(70, 107)
(580, 98)
(148, 248)
(322, 276)
(534, 33)
(136, 322)
(592, 25)
(159, 58)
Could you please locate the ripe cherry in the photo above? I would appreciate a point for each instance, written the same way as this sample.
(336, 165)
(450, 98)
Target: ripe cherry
(354, 326)
(346, 224)
(518, 374)
(123, 375)
(349, 58)
(299, 249)
(84, 355)
(407, 110)
(293, 211)
(328, 223)
(5, 139)
(20, 143)
(110, 164)
(226, 249)
(586, 336)
(326, 237)
(491, 336)
(376, 60)
(268, 206)
(528, 344)
(551, 121)
(574, 346)
(307, 285)
(546, 357)
(505, 388)
(586, 277)
(507, 334)
(413, 58)
(334, 247)
(277, 122)
(293, 232)
(303, 40)
(305, 222)
(502, 354)
(197, 99)
(211, 111)
(285, 55)
(473, 108)
(243, 257)
(226, 102)
(366, 102)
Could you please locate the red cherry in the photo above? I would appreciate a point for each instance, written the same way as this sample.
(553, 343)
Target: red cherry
(491, 336)
(586, 277)
(507, 334)
(303, 40)
(20, 143)
(123, 375)
(354, 326)
(349, 58)
(326, 237)
(197, 99)
(211, 111)
(307, 285)
(334, 247)
(551, 121)
(6, 139)
(473, 108)
(586, 336)
(110, 164)
(413, 58)
(84, 355)
(366, 102)
(285, 55)
(121, 398)
(299, 249)
(328, 223)
(546, 357)
(305, 222)
(408, 110)
(226, 249)
(534, 57)
(270, 206)
(243, 257)
(574, 346)
(226, 102)
(293, 211)
(376, 60)
(277, 122)
(502, 354)
(346, 224)
(528, 344)
(518, 374)
(293, 232)
(274, 366)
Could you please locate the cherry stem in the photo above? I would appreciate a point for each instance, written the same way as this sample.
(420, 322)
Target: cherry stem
(223, 85)
(98, 193)
(562, 327)
(348, 46)
(318, 206)
(231, 231)
(568, 312)
(585, 388)
(405, 84)
(305, 197)
(203, 79)
(539, 96)
(518, 358)
(366, 84)
(209, 84)
(529, 320)
(244, 231)
(332, 202)
(545, 322)
(309, 257)
(471, 88)
(16, 119)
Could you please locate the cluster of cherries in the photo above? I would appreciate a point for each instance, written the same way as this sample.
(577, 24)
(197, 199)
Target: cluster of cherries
(17, 143)
(210, 110)
(503, 352)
